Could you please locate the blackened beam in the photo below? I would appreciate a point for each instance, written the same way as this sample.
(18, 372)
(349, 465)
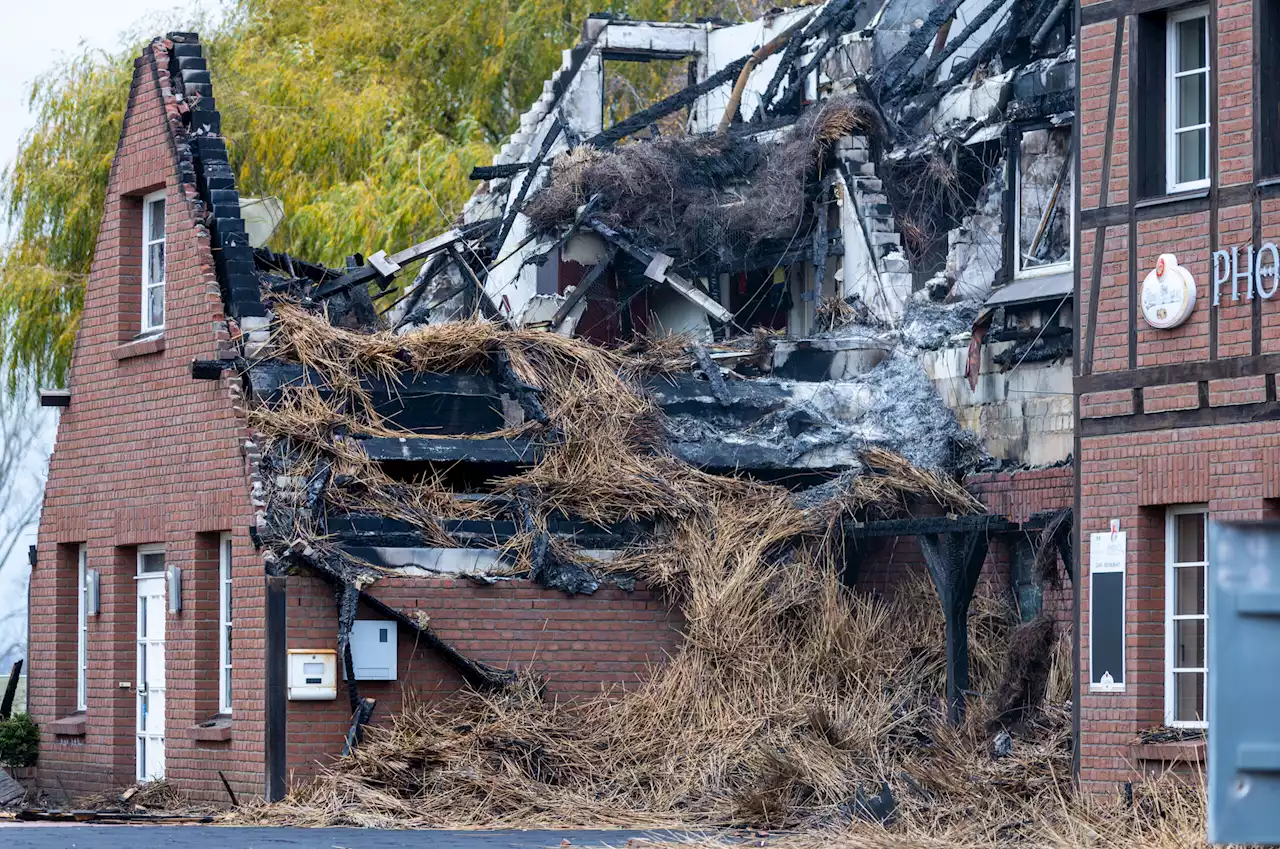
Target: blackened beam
(840, 27)
(666, 106)
(373, 530)
(553, 133)
(487, 308)
(480, 675)
(499, 172)
(383, 266)
(918, 108)
(580, 291)
(912, 86)
(829, 11)
(674, 392)
(425, 275)
(682, 287)
(985, 522)
(359, 719)
(269, 379)
(901, 63)
(955, 562)
(517, 451)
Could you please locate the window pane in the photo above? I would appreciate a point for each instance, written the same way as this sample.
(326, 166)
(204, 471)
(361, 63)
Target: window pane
(155, 224)
(1191, 44)
(1191, 162)
(153, 562)
(155, 306)
(1044, 198)
(1192, 99)
(1188, 538)
(1188, 696)
(155, 263)
(1188, 643)
(1189, 588)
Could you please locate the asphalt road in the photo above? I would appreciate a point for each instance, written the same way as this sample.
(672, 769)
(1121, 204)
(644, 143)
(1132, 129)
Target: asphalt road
(214, 837)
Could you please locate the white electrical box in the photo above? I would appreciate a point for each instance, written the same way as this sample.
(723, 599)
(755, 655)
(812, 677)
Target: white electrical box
(373, 649)
(313, 675)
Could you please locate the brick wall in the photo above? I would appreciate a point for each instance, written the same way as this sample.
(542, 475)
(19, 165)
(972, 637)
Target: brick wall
(145, 454)
(580, 646)
(1134, 477)
(1016, 495)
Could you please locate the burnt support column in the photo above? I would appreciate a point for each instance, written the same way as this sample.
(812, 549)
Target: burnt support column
(277, 689)
(955, 561)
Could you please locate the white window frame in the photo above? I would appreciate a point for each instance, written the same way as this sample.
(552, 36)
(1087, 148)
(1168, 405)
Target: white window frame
(225, 560)
(1170, 617)
(1041, 270)
(1172, 74)
(148, 239)
(82, 629)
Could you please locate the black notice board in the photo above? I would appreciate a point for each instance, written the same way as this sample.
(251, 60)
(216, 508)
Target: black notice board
(1106, 628)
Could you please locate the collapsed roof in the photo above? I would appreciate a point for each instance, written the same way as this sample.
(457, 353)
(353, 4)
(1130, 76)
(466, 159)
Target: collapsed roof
(757, 311)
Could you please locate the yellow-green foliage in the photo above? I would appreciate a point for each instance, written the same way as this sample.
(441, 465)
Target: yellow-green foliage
(363, 116)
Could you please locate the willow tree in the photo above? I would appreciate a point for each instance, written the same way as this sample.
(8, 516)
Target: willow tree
(363, 116)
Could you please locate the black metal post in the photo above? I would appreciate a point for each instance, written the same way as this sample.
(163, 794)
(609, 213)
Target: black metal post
(277, 695)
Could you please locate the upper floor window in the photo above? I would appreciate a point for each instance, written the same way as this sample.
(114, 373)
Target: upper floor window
(1044, 201)
(153, 250)
(1186, 616)
(1187, 70)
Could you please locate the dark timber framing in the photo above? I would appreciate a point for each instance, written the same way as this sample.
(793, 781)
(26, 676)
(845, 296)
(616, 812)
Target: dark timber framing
(955, 561)
(1164, 206)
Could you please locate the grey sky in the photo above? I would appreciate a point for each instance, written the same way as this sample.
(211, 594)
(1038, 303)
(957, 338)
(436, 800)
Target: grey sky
(35, 36)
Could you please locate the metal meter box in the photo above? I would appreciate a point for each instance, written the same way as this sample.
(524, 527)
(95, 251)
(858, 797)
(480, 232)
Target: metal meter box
(313, 675)
(373, 649)
(1244, 684)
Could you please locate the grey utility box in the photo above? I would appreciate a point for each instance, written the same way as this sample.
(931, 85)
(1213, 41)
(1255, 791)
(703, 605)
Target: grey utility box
(373, 649)
(1244, 683)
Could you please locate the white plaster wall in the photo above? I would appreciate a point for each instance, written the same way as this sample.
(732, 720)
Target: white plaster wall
(730, 43)
(1022, 416)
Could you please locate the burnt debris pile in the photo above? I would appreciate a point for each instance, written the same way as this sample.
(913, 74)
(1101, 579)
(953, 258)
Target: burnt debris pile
(695, 361)
(704, 200)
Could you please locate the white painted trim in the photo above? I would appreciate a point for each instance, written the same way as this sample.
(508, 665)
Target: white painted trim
(225, 554)
(147, 241)
(82, 627)
(1170, 590)
(1015, 162)
(1171, 130)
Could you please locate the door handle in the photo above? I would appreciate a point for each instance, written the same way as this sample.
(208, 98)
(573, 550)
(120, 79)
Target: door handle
(1258, 757)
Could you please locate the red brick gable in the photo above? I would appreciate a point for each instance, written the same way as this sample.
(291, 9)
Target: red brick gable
(145, 454)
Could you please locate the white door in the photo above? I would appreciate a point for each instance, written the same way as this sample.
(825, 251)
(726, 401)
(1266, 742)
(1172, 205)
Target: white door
(151, 688)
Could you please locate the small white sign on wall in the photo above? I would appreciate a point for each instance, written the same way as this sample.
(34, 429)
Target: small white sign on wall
(1106, 610)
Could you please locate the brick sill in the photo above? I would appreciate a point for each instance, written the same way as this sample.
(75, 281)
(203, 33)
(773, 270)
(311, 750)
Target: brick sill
(213, 731)
(1185, 752)
(68, 726)
(139, 347)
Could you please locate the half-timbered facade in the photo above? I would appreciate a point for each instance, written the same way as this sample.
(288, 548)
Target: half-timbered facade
(1178, 346)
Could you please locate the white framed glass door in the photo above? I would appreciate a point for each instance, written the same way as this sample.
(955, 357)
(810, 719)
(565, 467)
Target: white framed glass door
(151, 679)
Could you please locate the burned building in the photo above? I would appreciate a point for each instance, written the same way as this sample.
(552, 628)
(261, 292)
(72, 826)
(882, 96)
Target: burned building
(828, 278)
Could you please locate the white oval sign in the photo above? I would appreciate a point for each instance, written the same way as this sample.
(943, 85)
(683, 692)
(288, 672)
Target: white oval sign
(1168, 294)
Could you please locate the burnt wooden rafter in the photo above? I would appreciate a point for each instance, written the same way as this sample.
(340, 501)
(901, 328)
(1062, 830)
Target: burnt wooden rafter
(955, 562)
